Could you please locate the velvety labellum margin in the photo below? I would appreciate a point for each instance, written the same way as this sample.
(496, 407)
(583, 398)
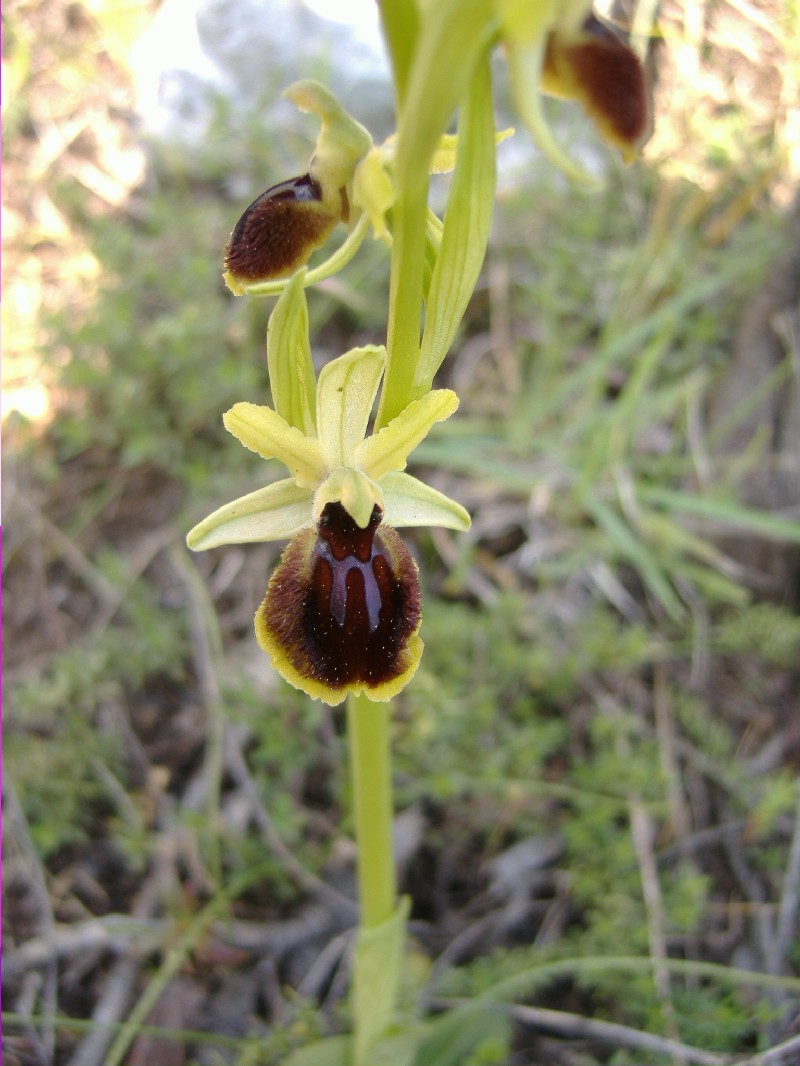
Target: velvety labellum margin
(342, 609)
(282, 227)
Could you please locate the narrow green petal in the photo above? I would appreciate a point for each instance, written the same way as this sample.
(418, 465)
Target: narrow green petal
(291, 370)
(263, 431)
(410, 502)
(272, 513)
(467, 222)
(357, 493)
(390, 448)
(345, 394)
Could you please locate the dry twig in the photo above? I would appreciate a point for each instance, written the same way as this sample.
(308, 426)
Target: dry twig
(576, 1026)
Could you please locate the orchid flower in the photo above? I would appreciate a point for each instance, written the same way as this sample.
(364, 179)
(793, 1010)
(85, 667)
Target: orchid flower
(342, 609)
(560, 48)
(281, 228)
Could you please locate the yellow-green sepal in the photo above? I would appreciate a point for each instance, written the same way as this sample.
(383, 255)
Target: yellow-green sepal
(525, 66)
(275, 512)
(410, 502)
(524, 22)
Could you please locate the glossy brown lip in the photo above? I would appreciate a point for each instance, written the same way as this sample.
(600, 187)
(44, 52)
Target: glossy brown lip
(343, 602)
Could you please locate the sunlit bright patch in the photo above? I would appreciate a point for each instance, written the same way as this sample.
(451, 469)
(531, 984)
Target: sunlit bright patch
(342, 610)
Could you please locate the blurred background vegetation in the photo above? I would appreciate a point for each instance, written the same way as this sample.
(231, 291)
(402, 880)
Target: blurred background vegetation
(599, 756)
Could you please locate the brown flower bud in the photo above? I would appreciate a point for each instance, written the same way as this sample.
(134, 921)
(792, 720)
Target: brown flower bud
(342, 609)
(280, 229)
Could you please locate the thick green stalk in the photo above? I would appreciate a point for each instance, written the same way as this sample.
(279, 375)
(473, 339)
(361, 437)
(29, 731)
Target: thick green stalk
(405, 296)
(370, 767)
(452, 37)
(400, 21)
(380, 943)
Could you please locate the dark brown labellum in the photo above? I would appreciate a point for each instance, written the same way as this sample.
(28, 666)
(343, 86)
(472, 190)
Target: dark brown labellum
(598, 67)
(281, 228)
(343, 603)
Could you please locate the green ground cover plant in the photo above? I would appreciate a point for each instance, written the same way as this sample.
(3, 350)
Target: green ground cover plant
(596, 766)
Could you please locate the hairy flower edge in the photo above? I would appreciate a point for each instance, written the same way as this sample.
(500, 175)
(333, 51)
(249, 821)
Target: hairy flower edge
(343, 609)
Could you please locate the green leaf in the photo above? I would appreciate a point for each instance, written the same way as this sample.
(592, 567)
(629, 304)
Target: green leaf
(333, 1051)
(398, 1048)
(453, 35)
(291, 370)
(400, 24)
(467, 222)
(725, 513)
(634, 550)
(376, 979)
(458, 1032)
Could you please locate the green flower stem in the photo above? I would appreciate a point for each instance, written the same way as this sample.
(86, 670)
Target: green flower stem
(405, 295)
(400, 21)
(380, 943)
(453, 36)
(370, 760)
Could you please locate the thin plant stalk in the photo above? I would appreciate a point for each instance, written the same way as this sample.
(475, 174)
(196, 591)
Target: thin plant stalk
(380, 940)
(371, 775)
